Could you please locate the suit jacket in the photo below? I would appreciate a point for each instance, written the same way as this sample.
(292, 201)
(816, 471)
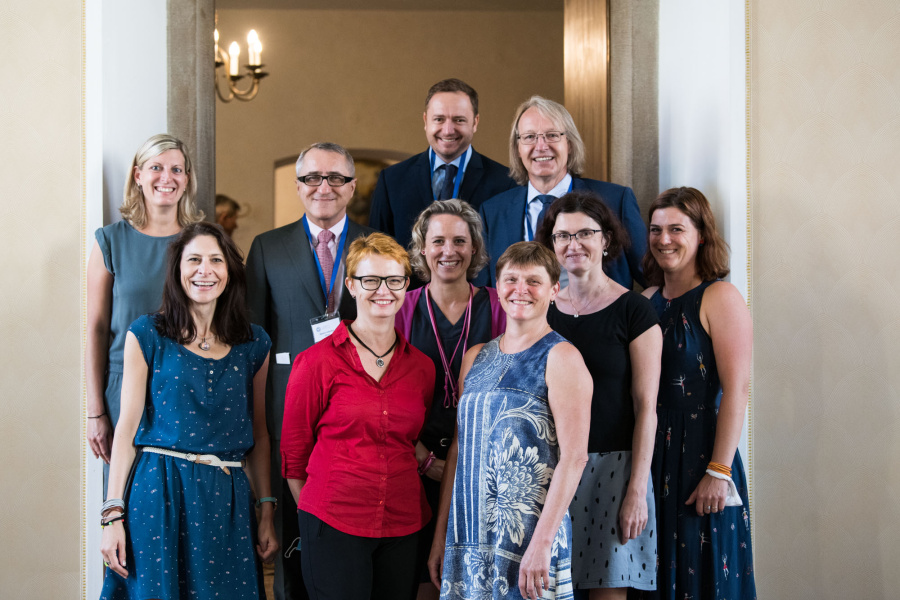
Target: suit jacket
(504, 224)
(404, 190)
(284, 293)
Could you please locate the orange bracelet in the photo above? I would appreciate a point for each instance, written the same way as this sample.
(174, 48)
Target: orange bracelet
(719, 468)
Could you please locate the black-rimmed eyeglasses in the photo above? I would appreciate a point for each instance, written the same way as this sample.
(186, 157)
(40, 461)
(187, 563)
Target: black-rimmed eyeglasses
(373, 282)
(530, 139)
(564, 237)
(333, 180)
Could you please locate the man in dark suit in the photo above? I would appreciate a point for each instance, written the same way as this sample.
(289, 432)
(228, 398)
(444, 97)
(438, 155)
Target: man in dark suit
(547, 157)
(295, 278)
(450, 168)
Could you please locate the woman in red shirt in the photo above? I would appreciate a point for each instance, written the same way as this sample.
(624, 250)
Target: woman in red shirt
(354, 407)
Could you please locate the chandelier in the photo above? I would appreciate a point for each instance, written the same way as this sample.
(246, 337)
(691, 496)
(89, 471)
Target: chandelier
(228, 68)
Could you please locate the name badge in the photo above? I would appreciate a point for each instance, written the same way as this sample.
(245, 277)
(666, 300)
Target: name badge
(283, 358)
(324, 325)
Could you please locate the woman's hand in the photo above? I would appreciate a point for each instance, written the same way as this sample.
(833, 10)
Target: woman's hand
(268, 541)
(632, 516)
(99, 436)
(436, 560)
(710, 495)
(436, 470)
(112, 547)
(534, 570)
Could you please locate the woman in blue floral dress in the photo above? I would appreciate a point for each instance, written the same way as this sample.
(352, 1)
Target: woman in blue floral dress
(502, 529)
(702, 510)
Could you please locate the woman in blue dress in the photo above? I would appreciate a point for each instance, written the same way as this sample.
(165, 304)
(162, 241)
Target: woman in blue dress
(502, 529)
(702, 510)
(193, 398)
(126, 271)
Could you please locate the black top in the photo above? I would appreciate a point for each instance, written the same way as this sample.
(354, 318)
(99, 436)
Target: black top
(442, 419)
(603, 338)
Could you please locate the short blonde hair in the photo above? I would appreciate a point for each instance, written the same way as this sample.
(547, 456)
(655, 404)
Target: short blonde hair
(376, 244)
(560, 117)
(133, 209)
(456, 208)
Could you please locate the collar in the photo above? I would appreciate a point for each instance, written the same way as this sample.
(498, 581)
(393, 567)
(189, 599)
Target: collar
(560, 189)
(438, 161)
(337, 229)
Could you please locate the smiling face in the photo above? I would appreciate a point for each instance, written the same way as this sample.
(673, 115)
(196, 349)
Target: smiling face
(162, 178)
(579, 256)
(525, 291)
(380, 303)
(448, 248)
(545, 163)
(674, 240)
(325, 205)
(450, 124)
(204, 272)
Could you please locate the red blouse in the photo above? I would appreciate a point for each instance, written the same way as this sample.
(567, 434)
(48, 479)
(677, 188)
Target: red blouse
(352, 439)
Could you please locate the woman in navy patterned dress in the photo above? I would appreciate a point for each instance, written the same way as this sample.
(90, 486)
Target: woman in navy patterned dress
(193, 398)
(503, 529)
(702, 509)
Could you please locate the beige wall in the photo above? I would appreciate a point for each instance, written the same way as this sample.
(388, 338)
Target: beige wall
(359, 78)
(825, 177)
(40, 301)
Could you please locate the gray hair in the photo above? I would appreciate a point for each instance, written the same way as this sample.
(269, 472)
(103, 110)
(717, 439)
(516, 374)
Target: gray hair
(560, 117)
(327, 147)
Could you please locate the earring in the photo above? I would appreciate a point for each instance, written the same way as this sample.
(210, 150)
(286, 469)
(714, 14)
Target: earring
(702, 241)
(605, 253)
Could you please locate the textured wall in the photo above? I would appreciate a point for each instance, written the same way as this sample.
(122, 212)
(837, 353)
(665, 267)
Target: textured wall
(359, 78)
(40, 299)
(825, 177)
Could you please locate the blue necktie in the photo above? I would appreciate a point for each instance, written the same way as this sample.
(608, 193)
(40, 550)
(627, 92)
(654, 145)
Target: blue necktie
(445, 178)
(546, 200)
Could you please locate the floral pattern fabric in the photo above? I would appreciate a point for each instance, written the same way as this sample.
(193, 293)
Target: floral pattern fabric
(508, 451)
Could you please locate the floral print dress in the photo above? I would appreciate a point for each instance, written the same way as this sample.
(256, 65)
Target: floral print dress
(508, 451)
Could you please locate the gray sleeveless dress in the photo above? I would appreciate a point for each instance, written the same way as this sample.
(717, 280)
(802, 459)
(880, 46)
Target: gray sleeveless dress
(137, 263)
(508, 451)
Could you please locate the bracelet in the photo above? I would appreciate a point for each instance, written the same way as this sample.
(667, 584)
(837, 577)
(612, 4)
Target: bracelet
(103, 414)
(103, 523)
(112, 503)
(426, 463)
(719, 468)
(271, 499)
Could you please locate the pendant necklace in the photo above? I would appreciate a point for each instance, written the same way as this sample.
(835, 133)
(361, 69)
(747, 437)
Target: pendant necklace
(588, 304)
(204, 345)
(379, 360)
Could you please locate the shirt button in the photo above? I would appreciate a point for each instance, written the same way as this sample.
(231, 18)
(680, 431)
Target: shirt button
(209, 381)
(384, 412)
(210, 372)
(383, 477)
(208, 389)
(381, 502)
(381, 456)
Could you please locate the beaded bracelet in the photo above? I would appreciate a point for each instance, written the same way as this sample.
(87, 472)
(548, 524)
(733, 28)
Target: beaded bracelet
(426, 463)
(103, 523)
(271, 499)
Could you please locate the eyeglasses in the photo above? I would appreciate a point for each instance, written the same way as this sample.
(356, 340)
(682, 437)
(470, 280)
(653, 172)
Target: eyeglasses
(564, 237)
(530, 139)
(333, 180)
(373, 282)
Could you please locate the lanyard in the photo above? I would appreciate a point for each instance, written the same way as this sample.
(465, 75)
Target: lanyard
(451, 386)
(459, 172)
(338, 255)
(529, 232)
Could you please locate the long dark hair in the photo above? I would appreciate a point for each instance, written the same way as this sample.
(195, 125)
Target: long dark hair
(231, 321)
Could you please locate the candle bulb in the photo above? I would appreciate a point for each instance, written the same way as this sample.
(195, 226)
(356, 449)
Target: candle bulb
(216, 37)
(234, 53)
(252, 48)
